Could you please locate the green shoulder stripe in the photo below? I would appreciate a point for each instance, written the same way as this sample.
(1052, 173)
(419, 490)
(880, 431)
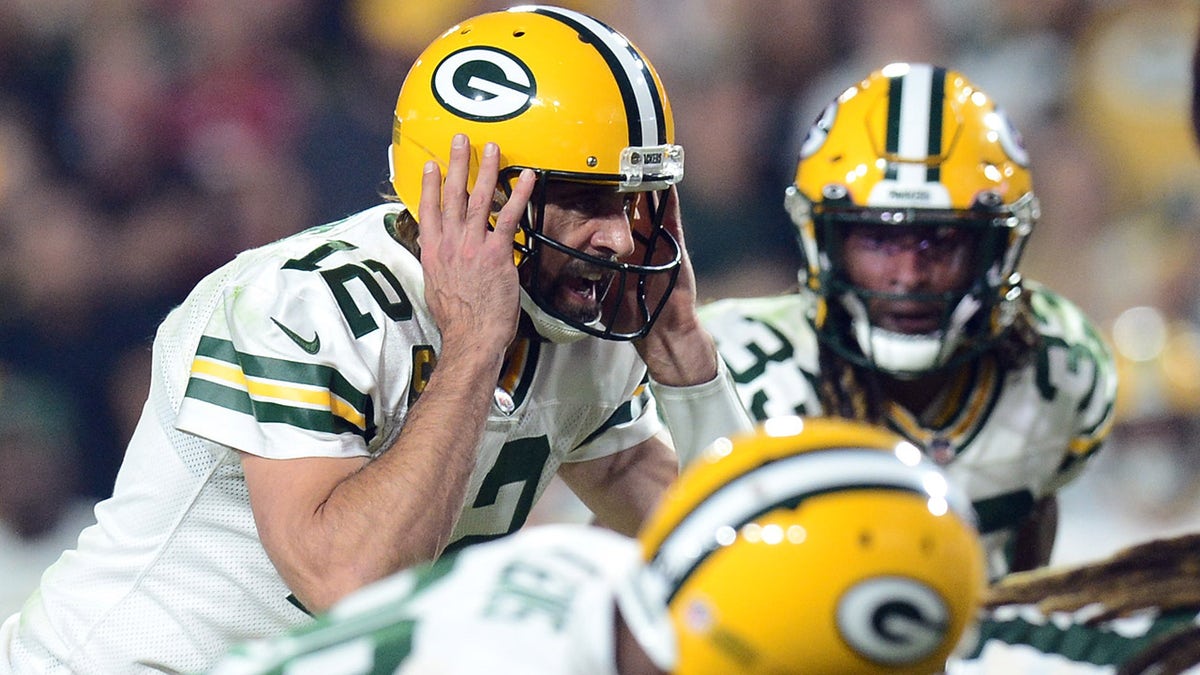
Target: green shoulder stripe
(342, 409)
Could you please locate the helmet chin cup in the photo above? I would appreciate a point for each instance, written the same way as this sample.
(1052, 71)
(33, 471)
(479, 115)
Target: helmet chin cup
(550, 328)
(903, 355)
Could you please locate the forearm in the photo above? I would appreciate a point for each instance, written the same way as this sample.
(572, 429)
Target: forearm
(400, 508)
(623, 489)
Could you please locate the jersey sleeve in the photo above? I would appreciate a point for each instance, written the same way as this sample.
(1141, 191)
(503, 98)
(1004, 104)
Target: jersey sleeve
(1075, 359)
(277, 372)
(633, 422)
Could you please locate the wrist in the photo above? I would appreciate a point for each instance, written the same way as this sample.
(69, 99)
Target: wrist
(679, 358)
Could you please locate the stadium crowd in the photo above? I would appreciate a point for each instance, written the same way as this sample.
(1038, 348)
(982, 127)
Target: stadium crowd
(144, 142)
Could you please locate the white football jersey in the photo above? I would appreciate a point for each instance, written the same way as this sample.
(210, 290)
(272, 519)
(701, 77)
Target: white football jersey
(1007, 438)
(315, 345)
(540, 601)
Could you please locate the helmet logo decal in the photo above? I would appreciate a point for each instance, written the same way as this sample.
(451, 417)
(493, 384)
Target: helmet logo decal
(893, 620)
(484, 84)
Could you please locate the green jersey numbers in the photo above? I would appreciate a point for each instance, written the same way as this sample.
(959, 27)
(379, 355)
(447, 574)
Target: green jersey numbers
(533, 590)
(368, 273)
(510, 485)
(763, 343)
(1074, 358)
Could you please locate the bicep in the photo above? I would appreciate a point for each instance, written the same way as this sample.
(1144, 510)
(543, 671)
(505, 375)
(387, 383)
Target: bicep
(623, 488)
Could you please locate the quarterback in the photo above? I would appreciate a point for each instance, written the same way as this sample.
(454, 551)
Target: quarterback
(912, 202)
(369, 394)
(810, 546)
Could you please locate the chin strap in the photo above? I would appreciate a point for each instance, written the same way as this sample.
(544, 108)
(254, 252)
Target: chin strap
(698, 414)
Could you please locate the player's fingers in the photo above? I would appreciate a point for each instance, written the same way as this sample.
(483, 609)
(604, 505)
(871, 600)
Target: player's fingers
(454, 188)
(479, 205)
(429, 211)
(509, 218)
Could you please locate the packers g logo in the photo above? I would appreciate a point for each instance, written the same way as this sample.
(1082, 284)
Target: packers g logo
(892, 620)
(483, 84)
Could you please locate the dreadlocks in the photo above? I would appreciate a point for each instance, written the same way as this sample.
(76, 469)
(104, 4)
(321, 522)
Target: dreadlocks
(1161, 575)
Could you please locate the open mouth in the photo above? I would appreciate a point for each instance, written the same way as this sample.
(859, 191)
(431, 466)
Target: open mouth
(580, 294)
(909, 320)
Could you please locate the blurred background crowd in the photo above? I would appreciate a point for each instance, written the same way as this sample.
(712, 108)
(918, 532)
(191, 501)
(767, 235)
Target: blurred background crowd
(145, 142)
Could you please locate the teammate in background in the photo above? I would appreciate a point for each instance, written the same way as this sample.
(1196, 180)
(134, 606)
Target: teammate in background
(368, 394)
(912, 202)
(1134, 613)
(810, 546)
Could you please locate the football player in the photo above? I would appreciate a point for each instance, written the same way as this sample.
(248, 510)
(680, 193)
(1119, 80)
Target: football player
(1136, 612)
(368, 394)
(912, 202)
(815, 546)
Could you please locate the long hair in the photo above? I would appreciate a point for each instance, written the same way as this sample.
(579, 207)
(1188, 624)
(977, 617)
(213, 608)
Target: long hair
(1163, 574)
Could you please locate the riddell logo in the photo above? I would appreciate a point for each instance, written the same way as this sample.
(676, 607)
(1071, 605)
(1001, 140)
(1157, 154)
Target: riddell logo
(912, 195)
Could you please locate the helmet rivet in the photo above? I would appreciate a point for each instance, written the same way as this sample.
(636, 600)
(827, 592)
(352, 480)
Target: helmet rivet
(592, 161)
(990, 199)
(833, 191)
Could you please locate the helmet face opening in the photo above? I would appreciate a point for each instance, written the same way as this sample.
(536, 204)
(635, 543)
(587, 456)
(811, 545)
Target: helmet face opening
(919, 277)
(567, 96)
(912, 166)
(606, 296)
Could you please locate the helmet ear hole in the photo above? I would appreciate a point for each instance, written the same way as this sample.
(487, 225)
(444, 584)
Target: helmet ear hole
(865, 539)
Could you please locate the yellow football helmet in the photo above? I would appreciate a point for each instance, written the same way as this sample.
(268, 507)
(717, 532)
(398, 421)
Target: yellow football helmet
(810, 546)
(569, 97)
(913, 146)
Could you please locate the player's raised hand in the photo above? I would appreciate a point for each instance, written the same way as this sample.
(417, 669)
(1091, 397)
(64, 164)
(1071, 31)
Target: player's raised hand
(471, 283)
(678, 351)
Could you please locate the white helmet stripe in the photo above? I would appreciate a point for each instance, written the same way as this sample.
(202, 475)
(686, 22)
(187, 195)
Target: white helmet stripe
(643, 101)
(915, 122)
(787, 482)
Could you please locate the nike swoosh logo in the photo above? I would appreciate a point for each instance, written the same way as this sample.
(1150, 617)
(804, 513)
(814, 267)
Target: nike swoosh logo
(311, 346)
